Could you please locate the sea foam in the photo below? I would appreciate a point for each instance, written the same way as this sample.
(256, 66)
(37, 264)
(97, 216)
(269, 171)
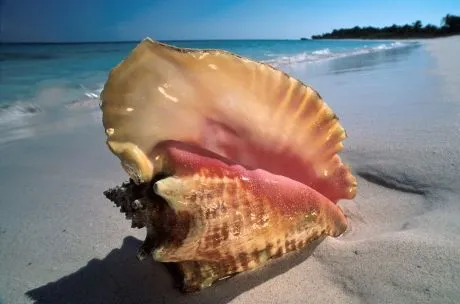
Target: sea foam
(49, 99)
(327, 54)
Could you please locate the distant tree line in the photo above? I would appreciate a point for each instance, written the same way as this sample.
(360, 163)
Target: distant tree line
(450, 25)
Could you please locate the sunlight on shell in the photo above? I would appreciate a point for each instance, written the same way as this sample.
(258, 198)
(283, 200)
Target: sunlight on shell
(244, 110)
(232, 162)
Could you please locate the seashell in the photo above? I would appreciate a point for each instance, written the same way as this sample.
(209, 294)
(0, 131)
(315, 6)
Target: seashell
(232, 162)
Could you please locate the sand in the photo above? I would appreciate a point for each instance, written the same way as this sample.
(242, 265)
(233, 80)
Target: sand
(61, 241)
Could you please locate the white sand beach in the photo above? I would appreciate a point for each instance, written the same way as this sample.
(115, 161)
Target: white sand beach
(62, 241)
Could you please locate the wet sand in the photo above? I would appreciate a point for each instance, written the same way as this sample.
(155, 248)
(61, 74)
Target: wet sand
(61, 241)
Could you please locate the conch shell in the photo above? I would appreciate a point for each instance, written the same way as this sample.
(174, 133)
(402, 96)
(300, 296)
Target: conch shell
(232, 162)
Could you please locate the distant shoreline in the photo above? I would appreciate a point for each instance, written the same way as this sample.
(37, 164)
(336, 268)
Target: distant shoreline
(389, 38)
(450, 27)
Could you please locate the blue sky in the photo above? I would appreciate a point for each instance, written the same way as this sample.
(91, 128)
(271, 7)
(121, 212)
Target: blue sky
(112, 20)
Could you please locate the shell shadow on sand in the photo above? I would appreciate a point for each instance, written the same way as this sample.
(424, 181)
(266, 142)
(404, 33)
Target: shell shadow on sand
(121, 278)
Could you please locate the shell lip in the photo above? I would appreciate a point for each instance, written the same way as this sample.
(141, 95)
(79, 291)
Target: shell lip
(120, 92)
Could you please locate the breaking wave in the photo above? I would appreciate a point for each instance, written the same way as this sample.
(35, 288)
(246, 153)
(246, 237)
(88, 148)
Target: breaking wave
(90, 99)
(17, 110)
(48, 100)
(327, 54)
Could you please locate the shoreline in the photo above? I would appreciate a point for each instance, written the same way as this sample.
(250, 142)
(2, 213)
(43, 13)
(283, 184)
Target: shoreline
(62, 242)
(388, 39)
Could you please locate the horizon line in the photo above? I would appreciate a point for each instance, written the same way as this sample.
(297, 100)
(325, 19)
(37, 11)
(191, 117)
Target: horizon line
(137, 41)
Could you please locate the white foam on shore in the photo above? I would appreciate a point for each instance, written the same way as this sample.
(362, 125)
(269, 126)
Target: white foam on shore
(90, 99)
(17, 111)
(50, 108)
(49, 99)
(327, 54)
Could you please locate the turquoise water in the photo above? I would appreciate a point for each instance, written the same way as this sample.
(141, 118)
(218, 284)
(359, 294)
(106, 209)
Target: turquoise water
(54, 79)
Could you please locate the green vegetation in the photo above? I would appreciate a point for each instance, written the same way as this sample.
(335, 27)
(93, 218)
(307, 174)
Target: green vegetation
(450, 25)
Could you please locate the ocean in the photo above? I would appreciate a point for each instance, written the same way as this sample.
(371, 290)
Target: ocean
(41, 84)
(61, 241)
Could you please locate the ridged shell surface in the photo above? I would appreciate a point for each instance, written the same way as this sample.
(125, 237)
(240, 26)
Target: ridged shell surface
(241, 109)
(232, 162)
